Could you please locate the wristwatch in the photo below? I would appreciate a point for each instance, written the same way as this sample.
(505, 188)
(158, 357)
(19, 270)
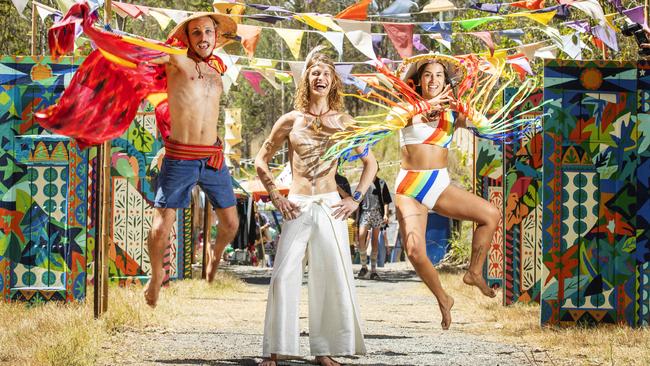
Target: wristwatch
(357, 196)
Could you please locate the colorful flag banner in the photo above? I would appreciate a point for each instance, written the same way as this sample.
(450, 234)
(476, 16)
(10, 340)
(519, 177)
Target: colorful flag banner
(249, 36)
(401, 35)
(293, 39)
(358, 11)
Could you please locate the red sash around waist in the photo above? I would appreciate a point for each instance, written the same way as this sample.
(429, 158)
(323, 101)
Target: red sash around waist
(177, 150)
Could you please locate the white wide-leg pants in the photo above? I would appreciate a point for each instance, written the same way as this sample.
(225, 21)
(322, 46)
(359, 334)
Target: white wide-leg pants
(334, 321)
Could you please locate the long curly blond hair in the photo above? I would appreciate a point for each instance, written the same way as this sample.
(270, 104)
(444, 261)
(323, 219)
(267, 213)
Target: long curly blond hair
(334, 99)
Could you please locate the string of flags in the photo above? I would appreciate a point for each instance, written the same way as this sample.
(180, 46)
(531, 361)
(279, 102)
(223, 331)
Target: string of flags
(353, 24)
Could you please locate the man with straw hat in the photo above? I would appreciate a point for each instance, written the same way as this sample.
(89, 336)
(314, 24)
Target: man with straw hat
(193, 151)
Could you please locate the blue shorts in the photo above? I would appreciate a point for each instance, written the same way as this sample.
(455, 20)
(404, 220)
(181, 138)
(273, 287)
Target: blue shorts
(177, 178)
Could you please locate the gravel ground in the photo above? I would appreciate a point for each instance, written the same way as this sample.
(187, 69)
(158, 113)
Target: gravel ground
(402, 327)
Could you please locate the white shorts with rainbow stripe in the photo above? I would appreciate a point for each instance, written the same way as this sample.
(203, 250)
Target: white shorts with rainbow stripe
(425, 186)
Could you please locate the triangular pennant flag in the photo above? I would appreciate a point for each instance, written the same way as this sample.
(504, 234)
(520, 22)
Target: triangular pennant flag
(486, 37)
(401, 35)
(543, 18)
(399, 8)
(254, 78)
(417, 43)
(162, 18)
(327, 21)
(232, 70)
(571, 46)
(440, 39)
(353, 25)
(529, 4)
(249, 36)
(343, 70)
(520, 64)
(549, 52)
(358, 11)
(20, 6)
(607, 35)
(232, 122)
(592, 8)
(490, 8)
(235, 10)
(469, 24)
(438, 27)
(296, 71)
(311, 21)
(283, 77)
(435, 6)
(269, 75)
(581, 26)
(513, 34)
(44, 11)
(529, 49)
(131, 10)
(262, 63)
(363, 42)
(293, 39)
(498, 58)
(176, 15)
(336, 39)
(637, 15)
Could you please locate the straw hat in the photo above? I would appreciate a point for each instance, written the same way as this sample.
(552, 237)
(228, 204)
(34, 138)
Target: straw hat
(226, 28)
(456, 70)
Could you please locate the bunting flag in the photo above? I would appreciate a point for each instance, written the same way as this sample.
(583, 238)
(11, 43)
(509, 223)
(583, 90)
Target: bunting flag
(296, 71)
(269, 75)
(318, 22)
(362, 41)
(352, 25)
(401, 35)
(160, 17)
(130, 10)
(417, 43)
(229, 78)
(549, 52)
(232, 122)
(542, 18)
(521, 65)
(254, 78)
(45, 11)
(336, 39)
(473, 23)
(435, 6)
(176, 15)
(249, 36)
(581, 26)
(513, 34)
(592, 8)
(293, 39)
(529, 49)
(358, 11)
(284, 77)
(344, 70)
(262, 63)
(20, 7)
(486, 37)
(235, 10)
(399, 8)
(637, 15)
(440, 39)
(607, 35)
(529, 4)
(490, 8)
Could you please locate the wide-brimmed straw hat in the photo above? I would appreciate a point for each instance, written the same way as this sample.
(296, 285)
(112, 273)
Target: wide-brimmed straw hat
(456, 71)
(226, 28)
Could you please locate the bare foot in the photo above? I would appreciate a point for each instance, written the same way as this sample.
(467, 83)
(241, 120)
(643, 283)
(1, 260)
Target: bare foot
(211, 270)
(268, 362)
(445, 310)
(478, 281)
(326, 361)
(152, 291)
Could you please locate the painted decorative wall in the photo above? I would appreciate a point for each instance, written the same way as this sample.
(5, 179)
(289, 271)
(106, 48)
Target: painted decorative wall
(488, 183)
(523, 210)
(594, 213)
(43, 187)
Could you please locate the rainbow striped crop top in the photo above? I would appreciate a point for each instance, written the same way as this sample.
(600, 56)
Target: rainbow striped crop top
(438, 132)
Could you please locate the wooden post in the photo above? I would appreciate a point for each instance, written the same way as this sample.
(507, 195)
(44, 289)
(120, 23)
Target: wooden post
(101, 247)
(207, 225)
(34, 28)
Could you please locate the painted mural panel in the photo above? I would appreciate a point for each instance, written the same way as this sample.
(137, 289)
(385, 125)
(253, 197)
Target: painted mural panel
(590, 194)
(488, 183)
(643, 193)
(523, 210)
(43, 187)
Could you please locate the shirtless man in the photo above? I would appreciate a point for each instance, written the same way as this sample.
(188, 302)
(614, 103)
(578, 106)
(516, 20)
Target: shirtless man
(314, 222)
(193, 152)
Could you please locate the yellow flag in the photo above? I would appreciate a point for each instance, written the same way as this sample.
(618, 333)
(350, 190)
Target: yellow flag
(313, 21)
(498, 58)
(293, 38)
(543, 18)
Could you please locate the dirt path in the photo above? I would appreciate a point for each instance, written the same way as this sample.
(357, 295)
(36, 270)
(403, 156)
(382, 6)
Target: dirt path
(402, 327)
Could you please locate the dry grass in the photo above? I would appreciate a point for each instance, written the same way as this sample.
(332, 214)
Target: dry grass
(67, 334)
(519, 324)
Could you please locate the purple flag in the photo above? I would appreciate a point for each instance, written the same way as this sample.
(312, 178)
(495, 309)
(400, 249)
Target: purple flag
(636, 15)
(490, 8)
(607, 35)
(581, 26)
(444, 28)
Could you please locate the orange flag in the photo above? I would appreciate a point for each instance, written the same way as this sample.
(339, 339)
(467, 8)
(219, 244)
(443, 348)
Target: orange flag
(358, 11)
(249, 36)
(529, 4)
